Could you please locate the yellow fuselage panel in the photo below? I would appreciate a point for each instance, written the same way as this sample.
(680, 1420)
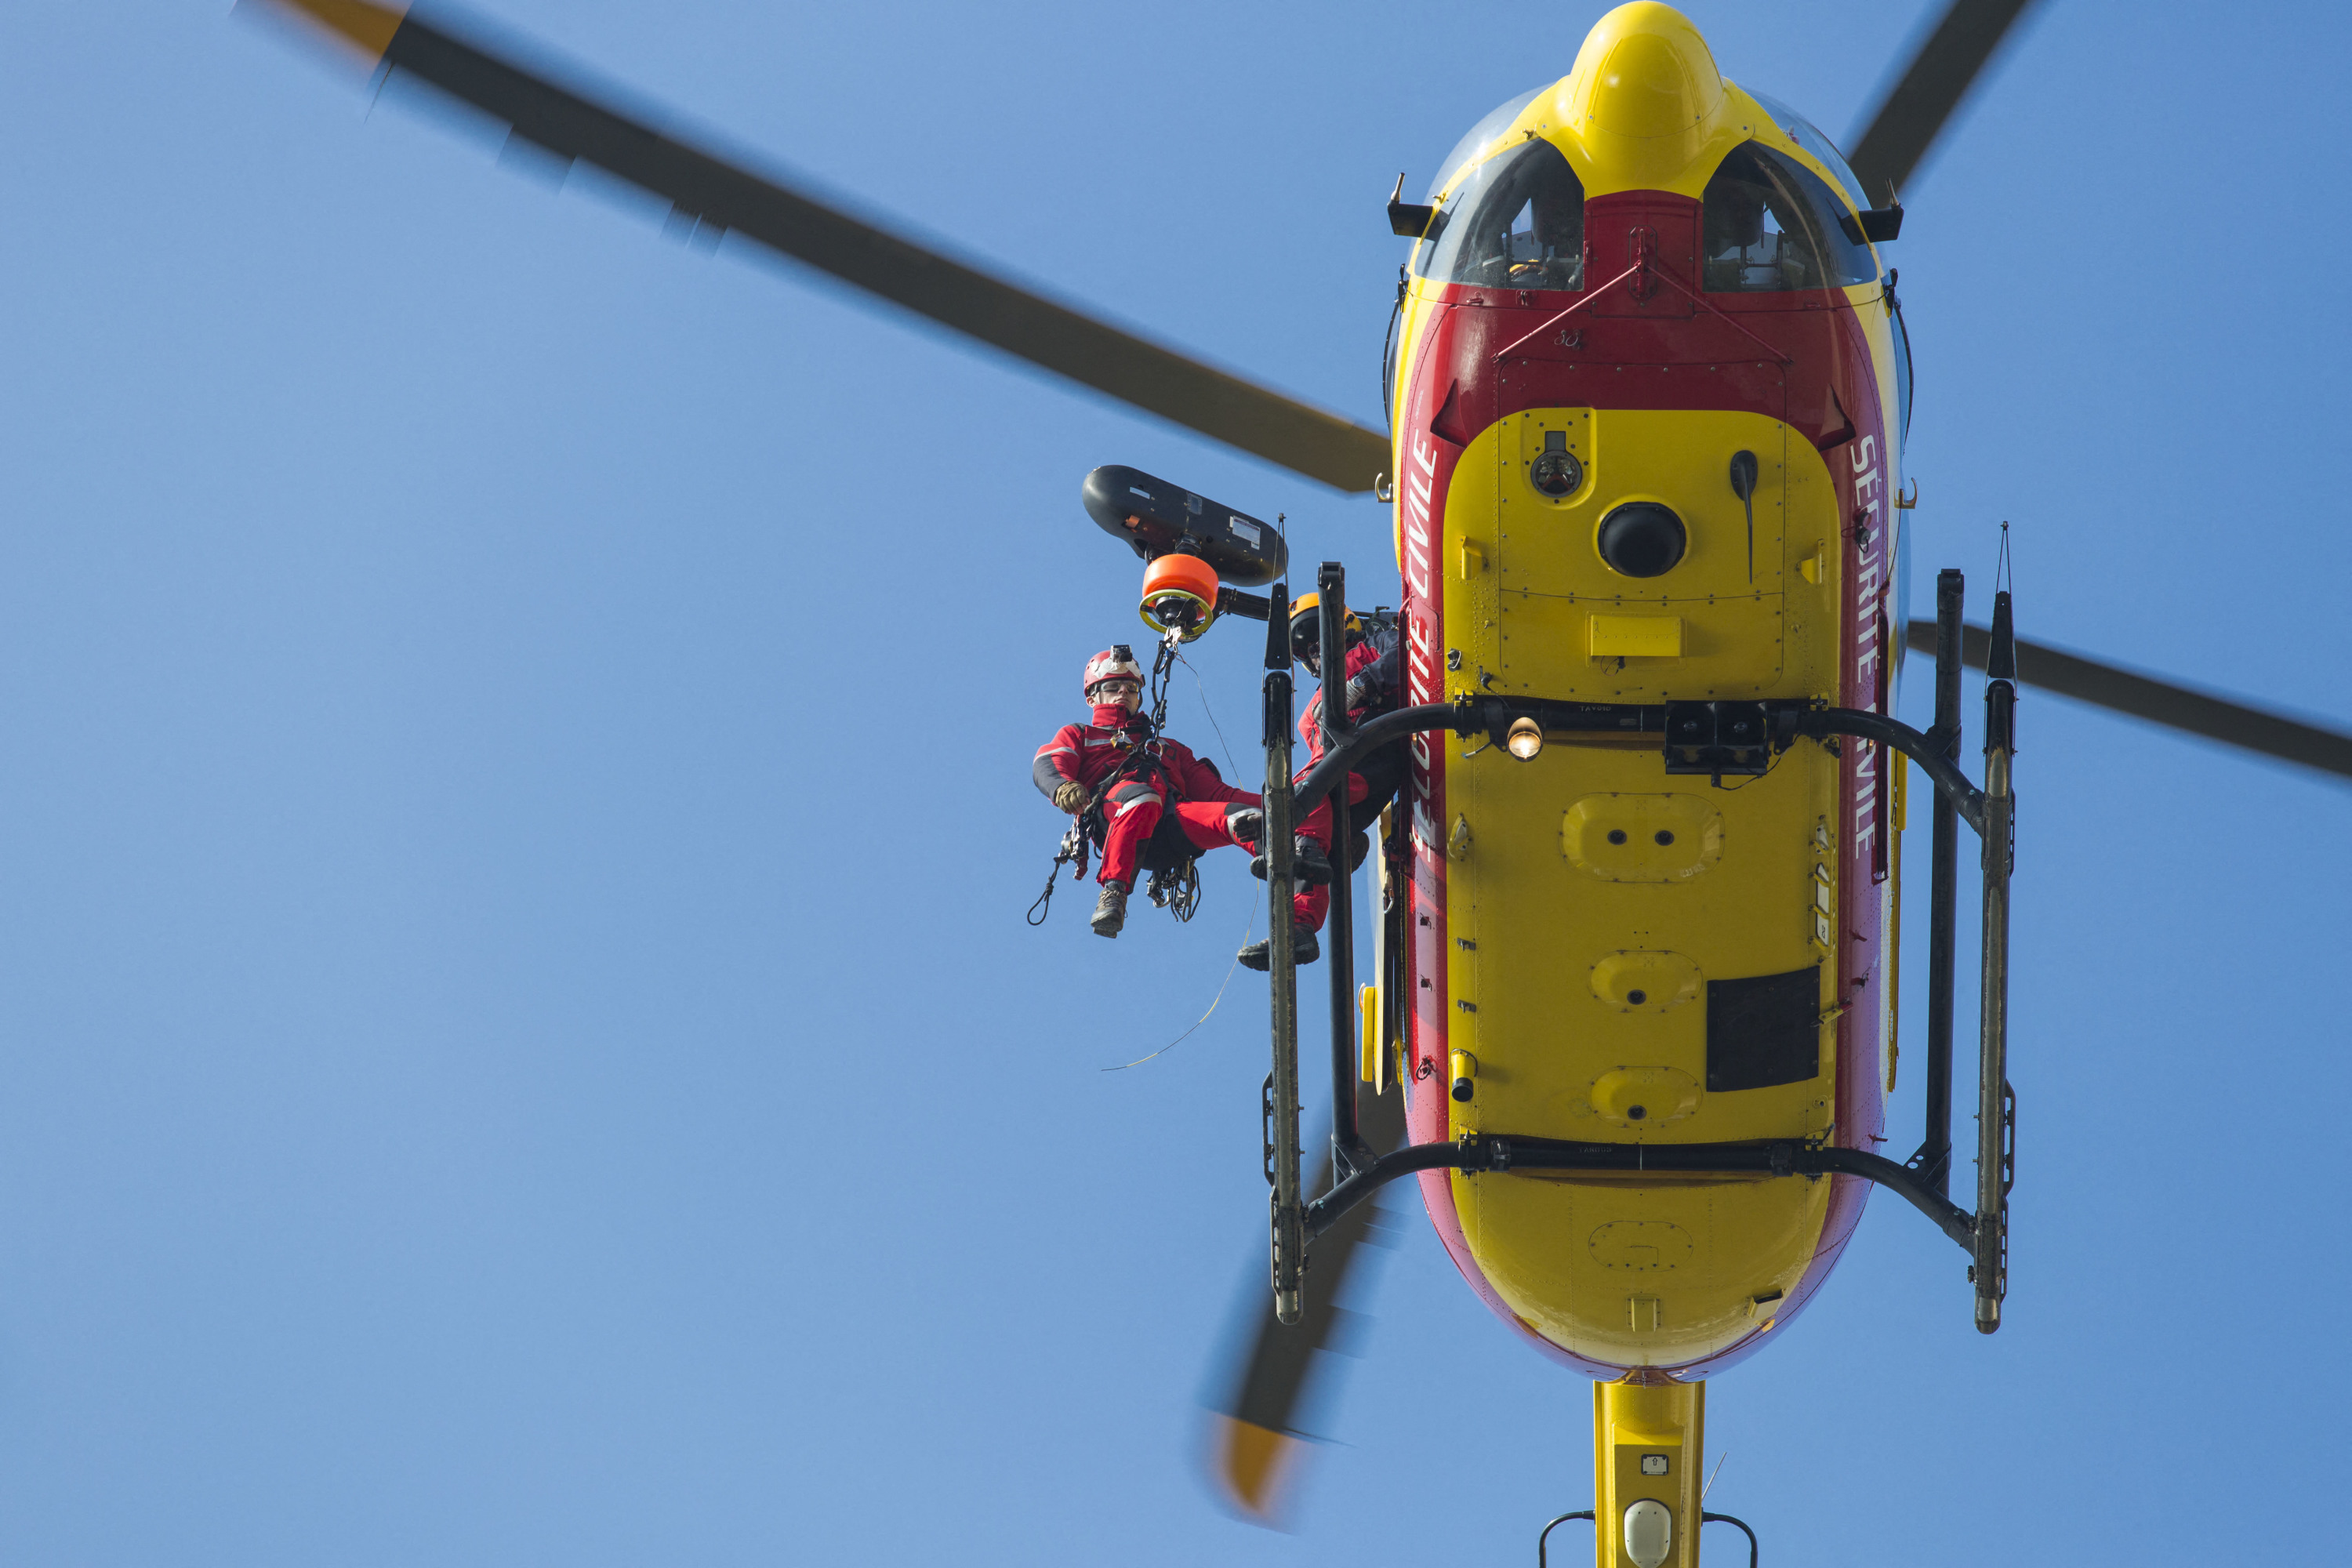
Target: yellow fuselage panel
(1550, 592)
(1647, 1275)
(1589, 899)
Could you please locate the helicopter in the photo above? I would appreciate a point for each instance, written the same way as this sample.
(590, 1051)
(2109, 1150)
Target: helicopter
(1312, 445)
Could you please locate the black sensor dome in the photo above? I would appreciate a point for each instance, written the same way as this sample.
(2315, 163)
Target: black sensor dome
(1643, 538)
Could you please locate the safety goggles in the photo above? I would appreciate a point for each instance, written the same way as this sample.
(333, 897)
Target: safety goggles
(1307, 642)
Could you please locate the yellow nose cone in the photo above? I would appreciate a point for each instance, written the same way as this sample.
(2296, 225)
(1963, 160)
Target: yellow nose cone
(1644, 97)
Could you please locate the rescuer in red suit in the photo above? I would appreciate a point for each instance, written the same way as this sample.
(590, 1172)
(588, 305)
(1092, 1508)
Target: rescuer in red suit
(1108, 764)
(1374, 670)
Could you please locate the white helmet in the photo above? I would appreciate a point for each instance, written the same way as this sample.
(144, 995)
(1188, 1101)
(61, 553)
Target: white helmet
(1112, 664)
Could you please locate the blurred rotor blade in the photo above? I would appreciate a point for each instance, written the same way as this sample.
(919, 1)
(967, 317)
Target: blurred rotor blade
(1256, 1443)
(1907, 123)
(2197, 713)
(720, 197)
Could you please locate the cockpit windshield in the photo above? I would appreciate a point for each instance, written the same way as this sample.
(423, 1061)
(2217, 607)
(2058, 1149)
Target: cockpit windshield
(1806, 134)
(1516, 221)
(1469, 147)
(1773, 224)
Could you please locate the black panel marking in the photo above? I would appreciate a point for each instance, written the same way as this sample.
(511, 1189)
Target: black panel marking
(1763, 1031)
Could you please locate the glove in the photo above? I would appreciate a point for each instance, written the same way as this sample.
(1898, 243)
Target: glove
(1070, 795)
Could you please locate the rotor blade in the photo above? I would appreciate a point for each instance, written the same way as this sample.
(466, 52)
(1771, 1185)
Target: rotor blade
(1255, 1444)
(721, 196)
(1905, 125)
(2197, 713)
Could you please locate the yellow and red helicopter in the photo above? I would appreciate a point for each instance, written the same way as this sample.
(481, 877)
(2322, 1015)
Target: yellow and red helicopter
(1630, 1024)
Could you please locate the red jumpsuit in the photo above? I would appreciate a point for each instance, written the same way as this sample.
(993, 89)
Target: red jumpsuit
(1313, 903)
(1204, 803)
(1361, 657)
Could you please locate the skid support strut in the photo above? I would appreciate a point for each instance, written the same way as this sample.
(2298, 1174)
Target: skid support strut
(1350, 1152)
(1934, 1160)
(1289, 1241)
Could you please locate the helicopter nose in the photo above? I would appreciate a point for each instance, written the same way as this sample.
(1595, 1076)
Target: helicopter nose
(1643, 91)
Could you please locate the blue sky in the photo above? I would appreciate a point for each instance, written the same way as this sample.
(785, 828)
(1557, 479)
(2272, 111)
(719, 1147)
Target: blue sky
(517, 1038)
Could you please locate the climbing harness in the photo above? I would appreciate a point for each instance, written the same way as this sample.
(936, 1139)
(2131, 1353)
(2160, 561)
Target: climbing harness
(1176, 889)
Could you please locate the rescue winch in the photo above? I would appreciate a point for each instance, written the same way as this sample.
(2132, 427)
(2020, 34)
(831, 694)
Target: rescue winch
(1192, 547)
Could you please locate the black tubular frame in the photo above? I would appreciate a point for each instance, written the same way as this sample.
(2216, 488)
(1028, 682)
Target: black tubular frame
(1350, 1152)
(1996, 1100)
(1790, 719)
(1286, 1223)
(1478, 1152)
(1543, 1540)
(1924, 1182)
(1934, 1159)
(1704, 1518)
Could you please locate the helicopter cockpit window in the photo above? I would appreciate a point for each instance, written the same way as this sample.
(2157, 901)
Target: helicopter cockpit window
(1515, 222)
(1808, 135)
(1772, 225)
(1502, 119)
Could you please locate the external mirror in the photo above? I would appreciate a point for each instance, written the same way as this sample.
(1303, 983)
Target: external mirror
(1875, 227)
(1409, 220)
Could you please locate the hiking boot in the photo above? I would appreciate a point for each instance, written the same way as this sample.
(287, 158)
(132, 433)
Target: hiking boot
(1304, 949)
(1111, 910)
(1307, 864)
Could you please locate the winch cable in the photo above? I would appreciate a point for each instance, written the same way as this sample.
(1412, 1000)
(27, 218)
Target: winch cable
(1202, 691)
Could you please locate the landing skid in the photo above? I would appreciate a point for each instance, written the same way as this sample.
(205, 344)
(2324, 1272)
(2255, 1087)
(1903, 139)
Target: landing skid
(1712, 738)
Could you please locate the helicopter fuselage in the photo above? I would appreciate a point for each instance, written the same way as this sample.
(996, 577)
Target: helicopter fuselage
(1600, 952)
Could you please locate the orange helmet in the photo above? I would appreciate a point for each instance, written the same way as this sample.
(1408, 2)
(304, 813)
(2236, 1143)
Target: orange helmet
(1112, 664)
(1307, 629)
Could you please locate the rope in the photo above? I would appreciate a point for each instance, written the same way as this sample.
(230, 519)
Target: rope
(1236, 963)
(1202, 692)
(1074, 848)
